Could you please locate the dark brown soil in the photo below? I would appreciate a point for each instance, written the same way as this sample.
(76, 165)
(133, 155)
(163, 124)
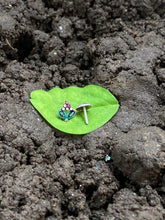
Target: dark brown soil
(48, 175)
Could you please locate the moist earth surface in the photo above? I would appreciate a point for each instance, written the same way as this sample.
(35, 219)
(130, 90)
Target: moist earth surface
(49, 175)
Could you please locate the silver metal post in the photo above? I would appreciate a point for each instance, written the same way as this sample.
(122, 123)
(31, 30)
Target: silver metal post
(85, 114)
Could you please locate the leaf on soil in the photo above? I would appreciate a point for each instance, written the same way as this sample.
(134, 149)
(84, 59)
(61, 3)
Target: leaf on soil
(103, 106)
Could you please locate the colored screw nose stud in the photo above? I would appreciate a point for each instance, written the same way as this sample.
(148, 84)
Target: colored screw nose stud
(63, 114)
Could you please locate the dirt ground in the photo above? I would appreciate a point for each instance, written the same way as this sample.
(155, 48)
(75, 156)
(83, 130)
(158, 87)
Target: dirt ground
(49, 175)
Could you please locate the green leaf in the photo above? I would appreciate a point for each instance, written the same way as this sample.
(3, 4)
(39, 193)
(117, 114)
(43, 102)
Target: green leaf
(103, 106)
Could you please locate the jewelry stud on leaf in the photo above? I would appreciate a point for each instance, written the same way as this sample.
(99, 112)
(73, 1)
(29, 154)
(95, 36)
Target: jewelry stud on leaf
(66, 107)
(84, 106)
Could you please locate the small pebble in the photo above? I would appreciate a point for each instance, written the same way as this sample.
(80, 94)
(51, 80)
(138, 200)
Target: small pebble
(97, 165)
(107, 158)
